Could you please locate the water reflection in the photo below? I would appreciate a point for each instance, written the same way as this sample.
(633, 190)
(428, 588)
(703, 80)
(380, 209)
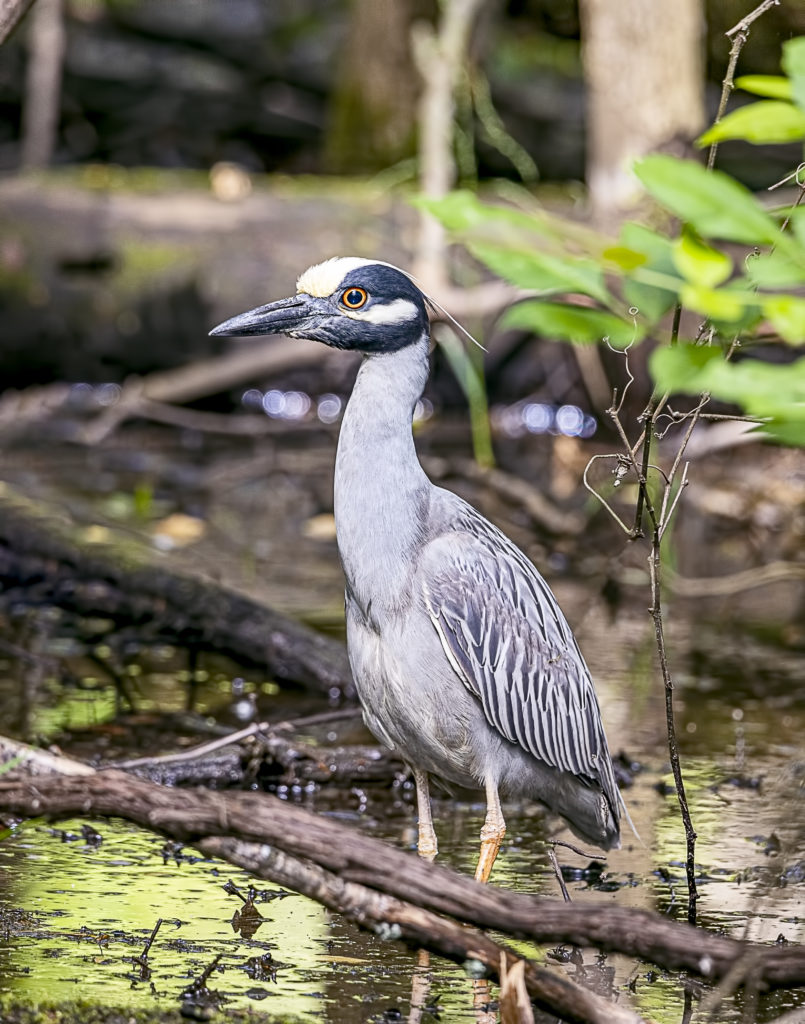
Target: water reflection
(75, 914)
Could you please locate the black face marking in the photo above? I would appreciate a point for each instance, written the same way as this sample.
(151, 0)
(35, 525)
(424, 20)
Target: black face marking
(383, 286)
(360, 315)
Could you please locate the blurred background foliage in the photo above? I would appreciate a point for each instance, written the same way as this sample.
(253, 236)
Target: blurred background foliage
(328, 86)
(145, 98)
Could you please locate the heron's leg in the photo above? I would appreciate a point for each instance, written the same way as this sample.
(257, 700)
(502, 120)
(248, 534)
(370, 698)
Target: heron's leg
(492, 833)
(426, 843)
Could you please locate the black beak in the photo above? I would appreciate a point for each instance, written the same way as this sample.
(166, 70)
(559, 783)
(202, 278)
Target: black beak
(280, 317)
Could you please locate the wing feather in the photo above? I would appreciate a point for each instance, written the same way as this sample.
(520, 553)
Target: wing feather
(508, 641)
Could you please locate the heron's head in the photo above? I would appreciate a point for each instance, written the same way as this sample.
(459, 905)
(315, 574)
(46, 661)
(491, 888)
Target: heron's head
(347, 303)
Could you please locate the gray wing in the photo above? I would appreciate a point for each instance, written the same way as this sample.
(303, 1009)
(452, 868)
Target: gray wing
(508, 641)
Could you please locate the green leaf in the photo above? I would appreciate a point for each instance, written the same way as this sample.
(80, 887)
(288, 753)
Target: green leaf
(797, 225)
(775, 86)
(711, 201)
(540, 271)
(787, 315)
(761, 389)
(774, 270)
(700, 263)
(572, 323)
(653, 245)
(461, 210)
(769, 121)
(717, 304)
(793, 62)
(651, 302)
(623, 258)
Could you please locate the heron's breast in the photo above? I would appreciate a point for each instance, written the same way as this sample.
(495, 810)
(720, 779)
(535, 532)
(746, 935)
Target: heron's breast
(412, 699)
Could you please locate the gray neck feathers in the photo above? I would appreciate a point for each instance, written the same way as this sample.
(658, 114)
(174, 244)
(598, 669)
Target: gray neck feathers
(381, 491)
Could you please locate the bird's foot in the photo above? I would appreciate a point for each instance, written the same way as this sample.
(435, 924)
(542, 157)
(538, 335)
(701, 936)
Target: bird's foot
(491, 838)
(427, 848)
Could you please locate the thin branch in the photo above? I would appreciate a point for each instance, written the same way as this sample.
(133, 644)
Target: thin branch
(629, 374)
(694, 418)
(558, 872)
(627, 530)
(667, 517)
(640, 473)
(739, 34)
(673, 747)
(576, 849)
(637, 529)
(744, 23)
(736, 582)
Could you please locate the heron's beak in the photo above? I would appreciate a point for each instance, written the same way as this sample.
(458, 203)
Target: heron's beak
(280, 317)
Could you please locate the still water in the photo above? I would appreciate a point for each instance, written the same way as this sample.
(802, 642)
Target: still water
(76, 911)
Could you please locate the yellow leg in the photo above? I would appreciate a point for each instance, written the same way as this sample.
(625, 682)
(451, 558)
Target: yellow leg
(491, 834)
(426, 842)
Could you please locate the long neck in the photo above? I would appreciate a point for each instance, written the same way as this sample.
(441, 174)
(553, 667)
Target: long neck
(381, 491)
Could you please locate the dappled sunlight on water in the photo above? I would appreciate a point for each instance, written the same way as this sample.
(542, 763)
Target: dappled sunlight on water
(75, 916)
(91, 908)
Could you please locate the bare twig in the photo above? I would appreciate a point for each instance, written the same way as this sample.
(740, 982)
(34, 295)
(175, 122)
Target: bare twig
(667, 517)
(235, 737)
(147, 948)
(673, 747)
(558, 872)
(739, 34)
(597, 494)
(576, 849)
(744, 24)
(648, 427)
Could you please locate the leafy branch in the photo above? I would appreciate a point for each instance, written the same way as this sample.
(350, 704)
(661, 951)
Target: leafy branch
(585, 288)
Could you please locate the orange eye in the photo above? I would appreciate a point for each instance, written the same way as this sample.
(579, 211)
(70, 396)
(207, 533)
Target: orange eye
(354, 298)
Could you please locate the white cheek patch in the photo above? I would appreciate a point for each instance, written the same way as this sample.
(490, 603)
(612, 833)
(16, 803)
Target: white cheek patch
(396, 312)
(322, 279)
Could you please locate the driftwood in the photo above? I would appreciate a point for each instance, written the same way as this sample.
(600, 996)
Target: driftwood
(33, 761)
(193, 815)
(282, 750)
(46, 557)
(393, 918)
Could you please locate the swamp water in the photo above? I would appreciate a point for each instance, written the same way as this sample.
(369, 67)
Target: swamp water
(77, 909)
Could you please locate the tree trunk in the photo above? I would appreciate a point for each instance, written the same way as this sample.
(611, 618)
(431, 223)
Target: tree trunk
(643, 63)
(40, 117)
(373, 117)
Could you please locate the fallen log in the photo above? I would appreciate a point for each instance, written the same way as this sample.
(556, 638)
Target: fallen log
(44, 554)
(193, 815)
(393, 918)
(282, 751)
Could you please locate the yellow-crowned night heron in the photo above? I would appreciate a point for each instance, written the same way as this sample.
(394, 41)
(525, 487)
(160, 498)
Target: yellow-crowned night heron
(463, 661)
